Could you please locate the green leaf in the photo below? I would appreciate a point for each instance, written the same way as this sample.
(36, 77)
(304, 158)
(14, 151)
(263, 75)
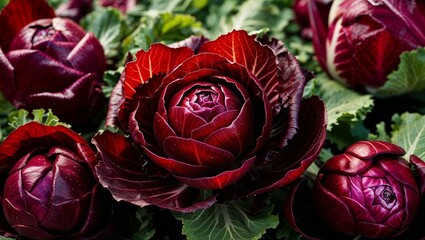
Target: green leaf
(346, 110)
(250, 15)
(3, 3)
(172, 23)
(5, 238)
(111, 77)
(409, 77)
(287, 232)
(22, 116)
(109, 27)
(146, 229)
(409, 133)
(228, 221)
(342, 104)
(55, 3)
(164, 27)
(169, 5)
(5, 108)
(381, 133)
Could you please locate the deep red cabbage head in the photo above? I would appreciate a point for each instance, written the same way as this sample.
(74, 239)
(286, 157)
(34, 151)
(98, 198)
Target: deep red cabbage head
(50, 62)
(359, 42)
(369, 191)
(48, 188)
(212, 115)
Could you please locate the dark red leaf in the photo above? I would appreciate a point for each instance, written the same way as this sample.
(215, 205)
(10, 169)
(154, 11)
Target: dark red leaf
(371, 149)
(197, 153)
(239, 47)
(178, 167)
(302, 216)
(193, 42)
(158, 59)
(296, 157)
(144, 187)
(88, 56)
(221, 180)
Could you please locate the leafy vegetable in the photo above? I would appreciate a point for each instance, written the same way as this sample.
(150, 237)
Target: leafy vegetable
(109, 26)
(346, 110)
(21, 117)
(232, 220)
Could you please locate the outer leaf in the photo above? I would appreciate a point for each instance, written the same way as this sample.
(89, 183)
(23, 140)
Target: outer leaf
(409, 77)
(409, 133)
(227, 221)
(122, 171)
(342, 104)
(158, 59)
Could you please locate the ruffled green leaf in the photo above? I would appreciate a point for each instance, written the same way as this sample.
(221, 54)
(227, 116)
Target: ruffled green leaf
(250, 15)
(381, 133)
(409, 77)
(164, 27)
(342, 104)
(111, 78)
(22, 116)
(109, 27)
(346, 110)
(228, 221)
(408, 131)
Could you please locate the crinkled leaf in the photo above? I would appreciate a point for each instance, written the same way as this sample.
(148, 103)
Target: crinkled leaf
(409, 77)
(251, 15)
(409, 133)
(232, 220)
(381, 133)
(146, 229)
(107, 25)
(174, 22)
(346, 109)
(165, 27)
(22, 116)
(347, 132)
(111, 78)
(343, 104)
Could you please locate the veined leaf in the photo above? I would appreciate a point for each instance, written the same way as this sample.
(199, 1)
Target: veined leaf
(107, 25)
(409, 133)
(409, 77)
(250, 15)
(342, 104)
(165, 27)
(346, 110)
(227, 221)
